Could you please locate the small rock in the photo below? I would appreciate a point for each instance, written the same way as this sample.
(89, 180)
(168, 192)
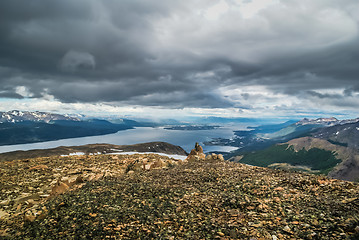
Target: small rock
(29, 217)
(274, 237)
(147, 166)
(233, 233)
(349, 200)
(315, 222)
(39, 167)
(306, 225)
(5, 202)
(3, 215)
(78, 180)
(220, 157)
(60, 188)
(30, 202)
(287, 229)
(257, 225)
(25, 197)
(157, 164)
(42, 214)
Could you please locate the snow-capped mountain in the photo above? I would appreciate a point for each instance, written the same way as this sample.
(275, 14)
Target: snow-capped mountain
(21, 116)
(20, 127)
(326, 122)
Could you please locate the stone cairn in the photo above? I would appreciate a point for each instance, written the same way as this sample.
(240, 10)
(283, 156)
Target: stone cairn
(197, 154)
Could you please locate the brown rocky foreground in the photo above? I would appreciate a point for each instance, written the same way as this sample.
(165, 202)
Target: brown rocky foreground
(155, 197)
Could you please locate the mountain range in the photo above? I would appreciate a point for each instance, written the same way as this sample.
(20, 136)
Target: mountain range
(19, 127)
(16, 116)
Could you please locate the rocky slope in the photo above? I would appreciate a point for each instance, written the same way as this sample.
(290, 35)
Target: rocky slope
(154, 197)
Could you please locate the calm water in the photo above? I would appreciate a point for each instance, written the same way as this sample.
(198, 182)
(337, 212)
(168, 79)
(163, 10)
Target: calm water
(185, 139)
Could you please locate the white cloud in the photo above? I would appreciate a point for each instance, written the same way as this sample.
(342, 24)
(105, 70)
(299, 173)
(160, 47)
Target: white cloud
(23, 91)
(215, 11)
(250, 8)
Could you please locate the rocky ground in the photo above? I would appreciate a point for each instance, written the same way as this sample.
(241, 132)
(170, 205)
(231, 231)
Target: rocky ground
(155, 197)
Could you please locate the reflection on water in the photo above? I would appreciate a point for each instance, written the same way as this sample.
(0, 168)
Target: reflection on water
(185, 139)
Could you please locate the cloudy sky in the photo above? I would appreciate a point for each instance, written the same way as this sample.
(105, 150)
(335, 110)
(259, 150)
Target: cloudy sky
(187, 57)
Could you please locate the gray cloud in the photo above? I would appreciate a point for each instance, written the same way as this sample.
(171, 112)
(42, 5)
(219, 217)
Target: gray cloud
(73, 61)
(168, 54)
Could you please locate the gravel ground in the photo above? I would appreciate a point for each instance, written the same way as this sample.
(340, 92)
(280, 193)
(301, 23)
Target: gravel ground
(198, 200)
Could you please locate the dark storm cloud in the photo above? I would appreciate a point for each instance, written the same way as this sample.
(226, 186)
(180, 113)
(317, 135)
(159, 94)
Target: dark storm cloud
(10, 94)
(324, 96)
(162, 53)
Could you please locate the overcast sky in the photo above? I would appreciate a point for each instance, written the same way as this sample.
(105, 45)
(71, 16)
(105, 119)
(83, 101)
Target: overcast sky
(189, 57)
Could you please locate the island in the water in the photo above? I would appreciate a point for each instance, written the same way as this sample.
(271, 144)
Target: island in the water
(192, 127)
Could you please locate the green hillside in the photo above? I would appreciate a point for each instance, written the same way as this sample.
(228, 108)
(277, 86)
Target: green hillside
(315, 158)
